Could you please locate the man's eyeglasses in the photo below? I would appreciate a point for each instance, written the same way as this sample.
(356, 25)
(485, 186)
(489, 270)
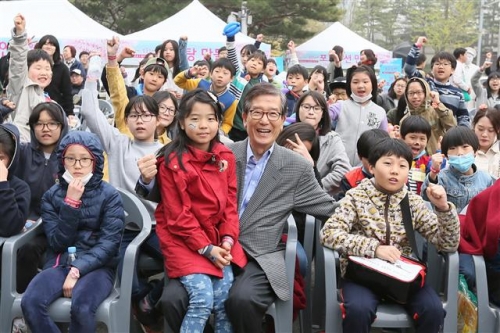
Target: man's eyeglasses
(84, 162)
(145, 117)
(258, 114)
(53, 125)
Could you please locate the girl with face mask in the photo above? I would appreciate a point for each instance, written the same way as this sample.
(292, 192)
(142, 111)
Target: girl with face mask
(462, 180)
(360, 112)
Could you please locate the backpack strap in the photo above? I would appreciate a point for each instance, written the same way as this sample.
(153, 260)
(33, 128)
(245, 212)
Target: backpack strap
(410, 232)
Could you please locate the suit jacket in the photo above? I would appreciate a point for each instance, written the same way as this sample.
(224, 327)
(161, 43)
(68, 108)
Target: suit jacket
(288, 183)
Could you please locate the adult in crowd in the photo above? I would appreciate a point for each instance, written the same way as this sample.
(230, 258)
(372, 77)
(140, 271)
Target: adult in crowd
(84, 59)
(336, 56)
(272, 182)
(69, 56)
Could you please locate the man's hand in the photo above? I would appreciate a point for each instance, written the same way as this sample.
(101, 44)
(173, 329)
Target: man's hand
(147, 167)
(19, 24)
(184, 37)
(388, 252)
(437, 196)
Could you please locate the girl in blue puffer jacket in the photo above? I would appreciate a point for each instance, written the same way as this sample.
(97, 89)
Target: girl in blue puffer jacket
(85, 212)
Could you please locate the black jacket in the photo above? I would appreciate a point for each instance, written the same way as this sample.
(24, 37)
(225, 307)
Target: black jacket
(14, 196)
(60, 87)
(37, 171)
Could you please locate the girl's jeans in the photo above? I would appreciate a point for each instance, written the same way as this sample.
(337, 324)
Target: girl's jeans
(207, 293)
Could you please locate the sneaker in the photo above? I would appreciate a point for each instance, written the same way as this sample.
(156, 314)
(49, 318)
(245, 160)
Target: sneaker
(19, 326)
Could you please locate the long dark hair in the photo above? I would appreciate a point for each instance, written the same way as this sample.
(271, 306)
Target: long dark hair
(52, 40)
(391, 93)
(177, 59)
(325, 122)
(322, 70)
(181, 141)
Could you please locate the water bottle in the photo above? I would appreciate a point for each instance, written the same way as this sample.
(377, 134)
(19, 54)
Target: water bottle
(71, 255)
(94, 70)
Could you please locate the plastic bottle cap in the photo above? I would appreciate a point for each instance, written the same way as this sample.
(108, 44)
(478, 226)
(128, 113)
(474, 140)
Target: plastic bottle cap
(71, 249)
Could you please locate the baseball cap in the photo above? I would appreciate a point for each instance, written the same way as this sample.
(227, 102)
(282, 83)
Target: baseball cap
(338, 82)
(156, 61)
(76, 71)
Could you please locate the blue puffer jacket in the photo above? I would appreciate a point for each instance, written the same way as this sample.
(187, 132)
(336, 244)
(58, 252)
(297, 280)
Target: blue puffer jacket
(95, 229)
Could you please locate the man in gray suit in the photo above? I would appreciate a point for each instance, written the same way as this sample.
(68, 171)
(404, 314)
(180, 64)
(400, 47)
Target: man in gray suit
(272, 181)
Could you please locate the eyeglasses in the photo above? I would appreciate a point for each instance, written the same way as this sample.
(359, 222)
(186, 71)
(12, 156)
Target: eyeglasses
(167, 110)
(258, 114)
(400, 86)
(339, 94)
(308, 107)
(415, 93)
(442, 64)
(145, 117)
(84, 162)
(50, 125)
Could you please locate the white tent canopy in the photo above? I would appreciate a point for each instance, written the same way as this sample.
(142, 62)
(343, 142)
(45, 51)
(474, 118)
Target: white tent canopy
(194, 21)
(55, 17)
(338, 34)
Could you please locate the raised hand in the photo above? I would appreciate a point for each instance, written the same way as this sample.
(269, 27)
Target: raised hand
(437, 196)
(421, 41)
(19, 24)
(291, 46)
(112, 46)
(127, 52)
(231, 29)
(147, 167)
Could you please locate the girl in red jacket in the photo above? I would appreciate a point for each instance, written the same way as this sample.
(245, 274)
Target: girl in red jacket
(197, 221)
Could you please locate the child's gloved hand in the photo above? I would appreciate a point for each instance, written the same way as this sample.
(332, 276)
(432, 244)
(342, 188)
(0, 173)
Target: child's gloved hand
(231, 29)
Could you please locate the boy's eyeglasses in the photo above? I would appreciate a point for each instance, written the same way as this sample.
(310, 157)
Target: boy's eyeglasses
(442, 64)
(50, 125)
(84, 162)
(339, 94)
(258, 115)
(167, 110)
(307, 107)
(145, 117)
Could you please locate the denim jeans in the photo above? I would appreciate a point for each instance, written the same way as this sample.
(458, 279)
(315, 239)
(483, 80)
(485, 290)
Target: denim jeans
(207, 293)
(88, 293)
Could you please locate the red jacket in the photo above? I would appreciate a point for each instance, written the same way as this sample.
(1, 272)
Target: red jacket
(480, 230)
(198, 207)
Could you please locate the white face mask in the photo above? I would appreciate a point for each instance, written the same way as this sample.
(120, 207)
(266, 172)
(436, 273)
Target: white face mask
(68, 177)
(361, 100)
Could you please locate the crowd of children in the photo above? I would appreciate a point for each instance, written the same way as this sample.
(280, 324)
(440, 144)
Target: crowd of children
(370, 151)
